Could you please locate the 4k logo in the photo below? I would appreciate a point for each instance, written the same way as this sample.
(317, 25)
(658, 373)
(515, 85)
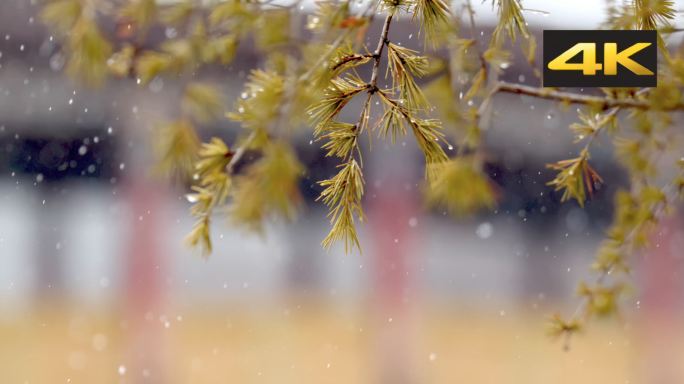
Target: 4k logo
(600, 59)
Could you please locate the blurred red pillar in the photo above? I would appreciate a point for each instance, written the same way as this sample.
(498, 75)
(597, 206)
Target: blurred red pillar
(393, 240)
(146, 276)
(659, 304)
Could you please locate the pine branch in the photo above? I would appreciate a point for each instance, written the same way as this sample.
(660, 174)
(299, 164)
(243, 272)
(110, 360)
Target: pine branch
(670, 192)
(215, 190)
(576, 173)
(345, 190)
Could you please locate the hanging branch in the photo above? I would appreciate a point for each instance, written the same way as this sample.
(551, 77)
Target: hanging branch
(612, 257)
(344, 191)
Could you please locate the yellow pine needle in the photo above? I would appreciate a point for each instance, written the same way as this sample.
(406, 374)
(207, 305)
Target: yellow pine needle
(343, 196)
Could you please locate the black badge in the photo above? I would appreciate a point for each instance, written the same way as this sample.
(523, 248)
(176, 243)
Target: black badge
(600, 59)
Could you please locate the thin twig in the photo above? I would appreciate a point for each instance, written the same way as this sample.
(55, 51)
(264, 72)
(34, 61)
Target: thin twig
(230, 168)
(473, 36)
(604, 123)
(347, 59)
(482, 112)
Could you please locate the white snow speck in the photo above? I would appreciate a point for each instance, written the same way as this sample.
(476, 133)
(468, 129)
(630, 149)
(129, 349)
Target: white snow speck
(485, 230)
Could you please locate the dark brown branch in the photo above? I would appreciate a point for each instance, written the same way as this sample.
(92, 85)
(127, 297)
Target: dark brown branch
(373, 85)
(606, 103)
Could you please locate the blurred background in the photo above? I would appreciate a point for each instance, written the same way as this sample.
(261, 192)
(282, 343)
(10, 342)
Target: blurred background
(96, 288)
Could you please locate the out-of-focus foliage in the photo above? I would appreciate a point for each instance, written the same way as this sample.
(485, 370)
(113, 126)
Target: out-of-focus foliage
(556, 328)
(269, 187)
(642, 14)
(175, 145)
(203, 102)
(139, 13)
(62, 15)
(260, 101)
(87, 47)
(461, 187)
(311, 79)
